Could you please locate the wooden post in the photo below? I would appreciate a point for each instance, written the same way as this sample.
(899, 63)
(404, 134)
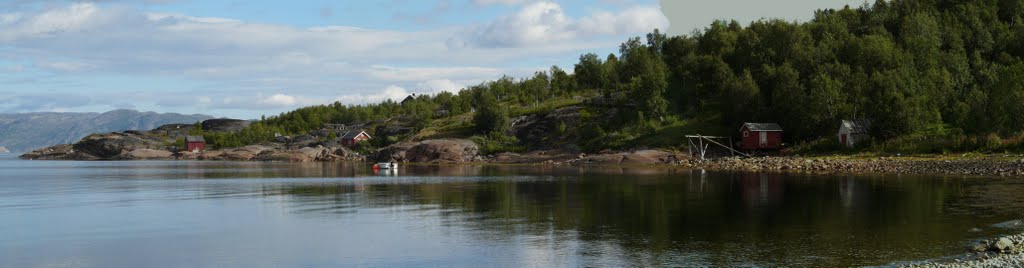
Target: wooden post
(701, 148)
(689, 147)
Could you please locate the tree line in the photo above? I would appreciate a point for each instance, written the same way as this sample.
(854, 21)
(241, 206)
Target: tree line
(910, 66)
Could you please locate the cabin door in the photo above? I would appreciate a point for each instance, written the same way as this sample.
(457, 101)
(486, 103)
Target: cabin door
(842, 139)
(764, 139)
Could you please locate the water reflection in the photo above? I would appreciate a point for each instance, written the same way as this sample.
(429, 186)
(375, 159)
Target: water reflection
(717, 218)
(328, 214)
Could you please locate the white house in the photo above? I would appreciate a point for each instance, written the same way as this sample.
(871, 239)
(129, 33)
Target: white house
(852, 132)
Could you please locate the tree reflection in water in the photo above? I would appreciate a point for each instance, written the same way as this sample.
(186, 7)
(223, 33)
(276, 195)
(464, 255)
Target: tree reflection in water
(661, 216)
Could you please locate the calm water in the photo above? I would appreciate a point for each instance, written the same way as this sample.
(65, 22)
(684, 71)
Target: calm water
(217, 214)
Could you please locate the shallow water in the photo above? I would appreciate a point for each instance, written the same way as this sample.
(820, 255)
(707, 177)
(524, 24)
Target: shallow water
(217, 214)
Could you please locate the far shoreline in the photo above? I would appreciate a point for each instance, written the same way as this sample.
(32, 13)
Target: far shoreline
(973, 165)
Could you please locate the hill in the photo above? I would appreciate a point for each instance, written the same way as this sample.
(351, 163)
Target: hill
(934, 76)
(24, 132)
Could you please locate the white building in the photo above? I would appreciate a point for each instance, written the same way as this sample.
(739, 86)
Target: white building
(853, 132)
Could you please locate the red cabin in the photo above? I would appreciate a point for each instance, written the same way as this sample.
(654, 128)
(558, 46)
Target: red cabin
(195, 144)
(353, 137)
(760, 136)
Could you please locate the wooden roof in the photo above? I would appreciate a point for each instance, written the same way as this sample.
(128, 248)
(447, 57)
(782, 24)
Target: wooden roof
(857, 126)
(353, 134)
(762, 126)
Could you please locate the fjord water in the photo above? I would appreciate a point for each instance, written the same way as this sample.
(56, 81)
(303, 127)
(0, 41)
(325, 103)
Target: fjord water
(247, 214)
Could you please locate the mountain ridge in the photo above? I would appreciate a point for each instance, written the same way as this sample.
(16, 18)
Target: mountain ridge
(21, 132)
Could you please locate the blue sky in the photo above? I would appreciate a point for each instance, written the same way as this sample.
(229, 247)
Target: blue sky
(244, 59)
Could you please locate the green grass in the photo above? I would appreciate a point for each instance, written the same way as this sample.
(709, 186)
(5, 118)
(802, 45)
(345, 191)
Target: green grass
(671, 134)
(544, 107)
(936, 140)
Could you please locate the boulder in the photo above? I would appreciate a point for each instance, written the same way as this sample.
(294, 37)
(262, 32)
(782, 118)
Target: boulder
(542, 130)
(649, 157)
(186, 155)
(301, 141)
(430, 151)
(224, 125)
(146, 154)
(4, 150)
(211, 155)
(342, 152)
(394, 152)
(302, 154)
(244, 153)
(1004, 244)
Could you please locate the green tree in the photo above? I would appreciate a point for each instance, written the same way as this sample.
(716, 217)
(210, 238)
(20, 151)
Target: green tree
(589, 72)
(491, 116)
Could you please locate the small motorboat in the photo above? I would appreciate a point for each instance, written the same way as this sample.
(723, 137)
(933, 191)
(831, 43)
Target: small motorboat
(391, 166)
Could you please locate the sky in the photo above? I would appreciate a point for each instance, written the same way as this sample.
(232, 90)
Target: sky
(244, 59)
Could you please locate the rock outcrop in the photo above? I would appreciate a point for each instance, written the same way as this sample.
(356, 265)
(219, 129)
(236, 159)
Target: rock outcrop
(542, 130)
(112, 145)
(224, 125)
(58, 152)
(142, 145)
(430, 151)
(146, 154)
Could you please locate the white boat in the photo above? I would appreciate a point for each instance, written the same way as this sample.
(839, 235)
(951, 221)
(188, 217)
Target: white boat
(385, 165)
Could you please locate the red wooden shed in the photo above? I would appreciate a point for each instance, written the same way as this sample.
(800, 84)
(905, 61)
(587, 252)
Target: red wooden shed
(760, 136)
(195, 143)
(353, 137)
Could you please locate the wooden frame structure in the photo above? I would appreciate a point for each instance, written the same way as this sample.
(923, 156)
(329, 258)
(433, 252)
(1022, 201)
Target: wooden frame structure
(702, 147)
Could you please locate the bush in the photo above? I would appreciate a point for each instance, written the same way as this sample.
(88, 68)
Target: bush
(497, 143)
(992, 142)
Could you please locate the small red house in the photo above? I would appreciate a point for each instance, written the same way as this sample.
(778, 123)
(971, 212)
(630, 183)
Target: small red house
(353, 137)
(195, 144)
(760, 136)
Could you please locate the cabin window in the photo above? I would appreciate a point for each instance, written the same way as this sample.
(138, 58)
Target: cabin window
(746, 134)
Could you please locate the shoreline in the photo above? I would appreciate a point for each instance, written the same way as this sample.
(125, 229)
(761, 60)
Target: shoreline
(1003, 251)
(972, 165)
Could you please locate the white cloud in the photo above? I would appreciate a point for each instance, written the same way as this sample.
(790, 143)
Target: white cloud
(228, 61)
(64, 66)
(500, 2)
(55, 21)
(439, 85)
(284, 100)
(546, 22)
(392, 92)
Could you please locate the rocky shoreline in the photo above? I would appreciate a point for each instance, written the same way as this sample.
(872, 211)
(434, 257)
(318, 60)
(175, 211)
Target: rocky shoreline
(1007, 251)
(159, 144)
(980, 166)
(133, 146)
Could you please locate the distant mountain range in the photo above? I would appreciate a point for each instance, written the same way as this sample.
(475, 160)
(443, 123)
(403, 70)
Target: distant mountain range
(28, 131)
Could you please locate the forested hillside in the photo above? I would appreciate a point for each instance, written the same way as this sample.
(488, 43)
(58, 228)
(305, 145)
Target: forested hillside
(946, 74)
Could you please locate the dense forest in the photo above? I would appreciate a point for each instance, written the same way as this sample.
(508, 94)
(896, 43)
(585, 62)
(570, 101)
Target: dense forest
(943, 70)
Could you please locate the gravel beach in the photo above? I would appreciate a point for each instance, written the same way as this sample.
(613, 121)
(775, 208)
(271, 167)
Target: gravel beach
(1007, 251)
(982, 166)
